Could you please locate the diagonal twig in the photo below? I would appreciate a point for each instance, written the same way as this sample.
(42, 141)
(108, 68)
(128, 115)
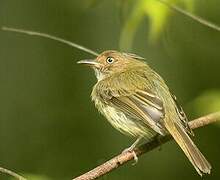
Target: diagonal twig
(11, 173)
(190, 15)
(48, 36)
(123, 158)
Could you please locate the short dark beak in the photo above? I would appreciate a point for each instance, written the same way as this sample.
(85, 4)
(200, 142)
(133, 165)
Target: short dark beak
(89, 62)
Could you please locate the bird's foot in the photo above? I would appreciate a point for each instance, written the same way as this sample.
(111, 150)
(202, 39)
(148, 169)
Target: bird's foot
(131, 150)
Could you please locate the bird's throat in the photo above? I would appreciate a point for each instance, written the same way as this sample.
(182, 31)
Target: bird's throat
(99, 75)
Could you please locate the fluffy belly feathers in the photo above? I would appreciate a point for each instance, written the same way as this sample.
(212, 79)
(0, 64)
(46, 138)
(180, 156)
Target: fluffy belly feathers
(124, 123)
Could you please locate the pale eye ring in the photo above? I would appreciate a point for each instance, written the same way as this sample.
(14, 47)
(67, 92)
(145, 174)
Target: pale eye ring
(110, 60)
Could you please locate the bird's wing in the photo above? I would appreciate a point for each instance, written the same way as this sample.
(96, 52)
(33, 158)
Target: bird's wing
(182, 116)
(144, 106)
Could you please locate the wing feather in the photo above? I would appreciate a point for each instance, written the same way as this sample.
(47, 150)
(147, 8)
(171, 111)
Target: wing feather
(182, 115)
(148, 111)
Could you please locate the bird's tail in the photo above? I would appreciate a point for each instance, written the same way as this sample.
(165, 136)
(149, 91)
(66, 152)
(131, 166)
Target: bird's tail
(189, 148)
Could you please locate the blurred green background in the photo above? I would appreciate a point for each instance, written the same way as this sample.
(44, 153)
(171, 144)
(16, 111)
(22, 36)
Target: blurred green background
(50, 129)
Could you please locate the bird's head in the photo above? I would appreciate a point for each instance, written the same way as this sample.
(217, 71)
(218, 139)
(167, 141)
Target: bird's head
(111, 62)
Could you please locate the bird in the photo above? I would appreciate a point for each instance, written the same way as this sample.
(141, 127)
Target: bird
(136, 101)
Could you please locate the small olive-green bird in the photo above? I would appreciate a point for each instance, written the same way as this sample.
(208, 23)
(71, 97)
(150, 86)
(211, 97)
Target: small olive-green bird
(137, 102)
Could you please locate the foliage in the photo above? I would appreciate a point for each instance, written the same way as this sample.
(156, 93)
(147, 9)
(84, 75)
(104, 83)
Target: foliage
(208, 101)
(156, 12)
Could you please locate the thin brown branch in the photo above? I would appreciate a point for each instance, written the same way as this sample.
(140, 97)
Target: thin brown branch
(11, 173)
(123, 158)
(48, 36)
(190, 15)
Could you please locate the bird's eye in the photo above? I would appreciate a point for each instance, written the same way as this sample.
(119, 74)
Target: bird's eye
(110, 60)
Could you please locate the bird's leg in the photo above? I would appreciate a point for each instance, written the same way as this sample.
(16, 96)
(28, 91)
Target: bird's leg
(131, 149)
(157, 138)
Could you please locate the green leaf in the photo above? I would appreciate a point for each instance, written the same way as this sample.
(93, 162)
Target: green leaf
(130, 26)
(158, 15)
